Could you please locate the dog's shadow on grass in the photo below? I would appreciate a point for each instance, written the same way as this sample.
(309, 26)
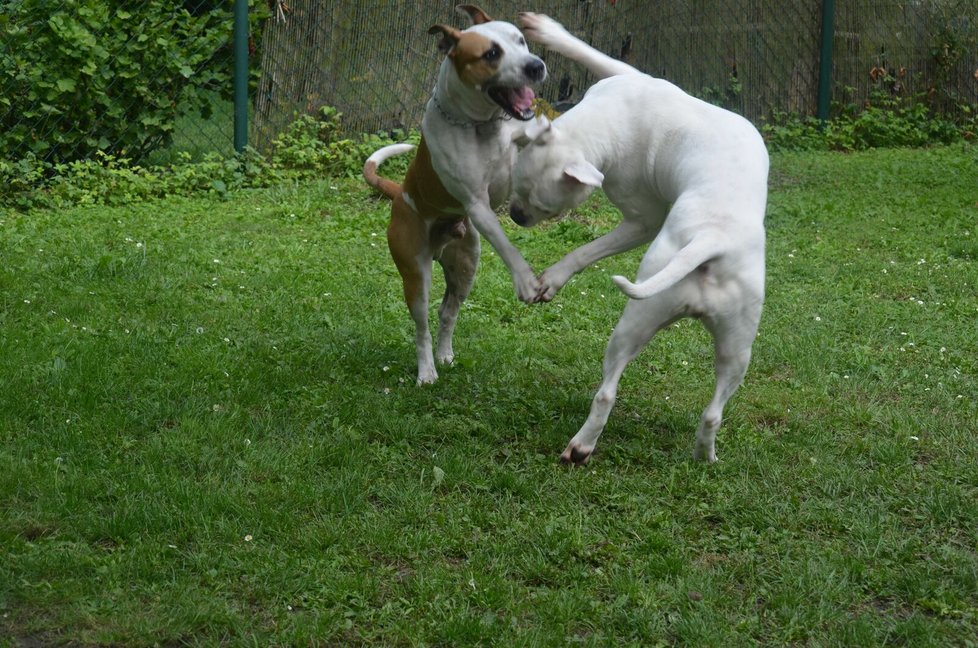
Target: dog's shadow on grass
(520, 402)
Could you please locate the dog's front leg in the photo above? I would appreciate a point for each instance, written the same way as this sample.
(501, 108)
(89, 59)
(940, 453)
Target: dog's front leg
(485, 220)
(629, 234)
(543, 29)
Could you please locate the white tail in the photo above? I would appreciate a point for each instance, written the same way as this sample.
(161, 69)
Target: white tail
(387, 187)
(698, 251)
(388, 152)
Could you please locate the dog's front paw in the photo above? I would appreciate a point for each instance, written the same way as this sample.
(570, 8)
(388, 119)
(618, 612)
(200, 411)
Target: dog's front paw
(527, 288)
(541, 28)
(552, 280)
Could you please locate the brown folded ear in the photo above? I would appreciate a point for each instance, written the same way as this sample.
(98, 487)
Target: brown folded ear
(449, 37)
(477, 15)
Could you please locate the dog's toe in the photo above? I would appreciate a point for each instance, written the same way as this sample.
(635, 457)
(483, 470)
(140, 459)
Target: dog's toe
(703, 453)
(576, 455)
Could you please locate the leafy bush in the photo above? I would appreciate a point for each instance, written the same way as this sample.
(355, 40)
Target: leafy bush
(313, 145)
(82, 76)
(108, 180)
(887, 119)
(19, 181)
(884, 121)
(310, 148)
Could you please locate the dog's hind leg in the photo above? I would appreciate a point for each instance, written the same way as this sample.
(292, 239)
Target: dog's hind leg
(408, 244)
(639, 322)
(459, 261)
(417, 285)
(733, 337)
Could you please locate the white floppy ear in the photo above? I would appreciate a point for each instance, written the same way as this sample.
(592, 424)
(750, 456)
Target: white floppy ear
(533, 131)
(585, 173)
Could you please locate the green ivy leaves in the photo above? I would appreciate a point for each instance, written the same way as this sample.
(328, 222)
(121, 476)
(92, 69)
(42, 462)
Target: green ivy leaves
(87, 77)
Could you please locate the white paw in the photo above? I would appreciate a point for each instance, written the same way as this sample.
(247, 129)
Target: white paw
(446, 358)
(576, 453)
(427, 376)
(540, 28)
(527, 288)
(704, 453)
(551, 281)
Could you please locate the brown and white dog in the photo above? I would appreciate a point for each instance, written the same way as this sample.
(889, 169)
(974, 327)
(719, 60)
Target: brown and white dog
(460, 174)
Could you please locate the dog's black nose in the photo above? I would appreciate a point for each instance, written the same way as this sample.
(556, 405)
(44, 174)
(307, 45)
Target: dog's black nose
(535, 70)
(517, 214)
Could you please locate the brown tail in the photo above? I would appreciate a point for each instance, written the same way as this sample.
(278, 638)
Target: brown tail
(387, 187)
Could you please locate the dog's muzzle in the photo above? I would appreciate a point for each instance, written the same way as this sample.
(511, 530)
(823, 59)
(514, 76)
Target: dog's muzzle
(517, 101)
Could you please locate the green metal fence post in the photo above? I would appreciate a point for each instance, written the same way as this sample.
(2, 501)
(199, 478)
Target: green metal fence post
(240, 75)
(825, 60)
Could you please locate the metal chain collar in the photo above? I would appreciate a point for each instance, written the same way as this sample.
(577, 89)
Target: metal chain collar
(454, 121)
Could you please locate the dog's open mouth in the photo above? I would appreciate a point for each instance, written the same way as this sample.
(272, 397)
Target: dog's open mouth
(517, 102)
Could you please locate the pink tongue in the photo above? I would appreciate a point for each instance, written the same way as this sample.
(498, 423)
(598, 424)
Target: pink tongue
(523, 98)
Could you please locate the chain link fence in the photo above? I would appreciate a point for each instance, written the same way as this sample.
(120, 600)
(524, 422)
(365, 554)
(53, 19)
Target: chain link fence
(154, 77)
(374, 62)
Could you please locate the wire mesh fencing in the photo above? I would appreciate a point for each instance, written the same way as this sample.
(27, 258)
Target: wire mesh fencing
(375, 62)
(153, 77)
(925, 50)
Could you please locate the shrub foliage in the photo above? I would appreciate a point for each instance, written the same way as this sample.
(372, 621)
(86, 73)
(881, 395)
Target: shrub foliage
(312, 147)
(83, 76)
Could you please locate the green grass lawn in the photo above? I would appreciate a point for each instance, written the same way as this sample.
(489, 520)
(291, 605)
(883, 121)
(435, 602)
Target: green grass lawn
(210, 432)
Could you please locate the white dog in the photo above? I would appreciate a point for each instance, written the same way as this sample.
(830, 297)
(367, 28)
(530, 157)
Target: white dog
(689, 177)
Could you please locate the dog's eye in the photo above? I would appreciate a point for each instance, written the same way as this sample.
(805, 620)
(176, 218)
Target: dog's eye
(522, 41)
(492, 54)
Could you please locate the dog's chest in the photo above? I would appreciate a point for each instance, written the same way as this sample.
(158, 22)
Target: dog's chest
(474, 166)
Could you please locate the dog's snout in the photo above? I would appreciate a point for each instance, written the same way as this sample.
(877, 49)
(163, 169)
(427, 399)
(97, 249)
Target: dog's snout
(517, 214)
(535, 70)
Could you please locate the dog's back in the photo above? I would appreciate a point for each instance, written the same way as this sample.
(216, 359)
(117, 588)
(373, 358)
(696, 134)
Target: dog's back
(651, 124)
